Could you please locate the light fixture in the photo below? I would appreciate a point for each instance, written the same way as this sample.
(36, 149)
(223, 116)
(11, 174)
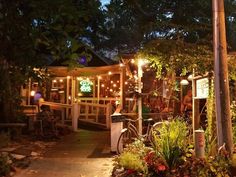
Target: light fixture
(190, 77)
(32, 93)
(184, 82)
(109, 73)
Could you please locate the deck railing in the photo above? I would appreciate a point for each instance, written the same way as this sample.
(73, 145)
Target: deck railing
(90, 112)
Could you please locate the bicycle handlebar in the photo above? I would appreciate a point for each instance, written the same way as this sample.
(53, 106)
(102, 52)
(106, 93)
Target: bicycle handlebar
(135, 120)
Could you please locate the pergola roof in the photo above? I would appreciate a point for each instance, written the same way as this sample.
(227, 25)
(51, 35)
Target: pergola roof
(63, 71)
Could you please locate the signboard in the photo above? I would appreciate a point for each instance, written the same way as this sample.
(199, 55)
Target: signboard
(86, 86)
(202, 88)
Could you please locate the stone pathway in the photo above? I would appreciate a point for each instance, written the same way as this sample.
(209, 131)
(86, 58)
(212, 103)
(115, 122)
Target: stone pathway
(82, 154)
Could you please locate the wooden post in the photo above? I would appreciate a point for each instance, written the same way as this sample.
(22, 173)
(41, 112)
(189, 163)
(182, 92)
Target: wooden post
(75, 116)
(108, 115)
(224, 124)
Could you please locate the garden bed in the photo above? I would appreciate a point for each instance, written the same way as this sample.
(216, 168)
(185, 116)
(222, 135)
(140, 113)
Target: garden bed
(170, 155)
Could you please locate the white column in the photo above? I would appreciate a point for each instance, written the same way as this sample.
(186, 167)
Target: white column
(140, 75)
(67, 89)
(29, 90)
(98, 90)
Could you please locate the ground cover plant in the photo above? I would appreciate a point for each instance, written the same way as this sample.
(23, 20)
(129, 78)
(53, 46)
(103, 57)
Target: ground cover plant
(171, 154)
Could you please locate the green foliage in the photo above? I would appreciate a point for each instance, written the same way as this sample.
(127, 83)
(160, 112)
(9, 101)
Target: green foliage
(34, 33)
(4, 166)
(209, 167)
(175, 36)
(233, 114)
(133, 157)
(132, 161)
(210, 135)
(170, 155)
(168, 56)
(170, 141)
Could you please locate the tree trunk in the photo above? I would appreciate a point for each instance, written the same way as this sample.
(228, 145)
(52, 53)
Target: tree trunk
(6, 107)
(224, 125)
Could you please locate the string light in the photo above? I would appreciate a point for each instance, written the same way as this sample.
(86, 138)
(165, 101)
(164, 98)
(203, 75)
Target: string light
(121, 64)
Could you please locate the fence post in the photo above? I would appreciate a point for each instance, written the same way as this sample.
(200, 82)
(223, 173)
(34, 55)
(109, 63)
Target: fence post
(75, 116)
(199, 143)
(108, 115)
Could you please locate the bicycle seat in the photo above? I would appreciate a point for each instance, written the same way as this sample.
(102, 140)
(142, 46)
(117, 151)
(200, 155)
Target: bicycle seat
(148, 120)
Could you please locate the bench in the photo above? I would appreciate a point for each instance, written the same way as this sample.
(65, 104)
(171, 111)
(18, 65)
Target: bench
(30, 111)
(13, 128)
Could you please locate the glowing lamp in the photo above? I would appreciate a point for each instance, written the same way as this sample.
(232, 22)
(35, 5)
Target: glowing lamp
(184, 82)
(32, 93)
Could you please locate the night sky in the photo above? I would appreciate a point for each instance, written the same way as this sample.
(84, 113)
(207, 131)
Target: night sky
(105, 2)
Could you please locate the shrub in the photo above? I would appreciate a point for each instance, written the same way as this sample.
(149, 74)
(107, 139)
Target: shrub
(4, 139)
(133, 162)
(170, 141)
(170, 156)
(4, 166)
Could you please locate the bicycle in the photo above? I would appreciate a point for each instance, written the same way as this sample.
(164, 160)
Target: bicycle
(130, 134)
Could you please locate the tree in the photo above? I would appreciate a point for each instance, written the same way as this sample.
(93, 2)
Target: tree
(33, 33)
(173, 34)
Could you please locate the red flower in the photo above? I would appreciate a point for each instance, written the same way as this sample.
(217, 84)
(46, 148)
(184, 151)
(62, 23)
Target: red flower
(161, 167)
(130, 171)
(150, 157)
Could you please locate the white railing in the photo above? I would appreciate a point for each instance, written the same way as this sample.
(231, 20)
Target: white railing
(59, 109)
(90, 112)
(101, 100)
(97, 113)
(129, 102)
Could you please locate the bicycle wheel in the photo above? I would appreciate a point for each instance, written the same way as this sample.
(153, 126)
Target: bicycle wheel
(154, 131)
(124, 139)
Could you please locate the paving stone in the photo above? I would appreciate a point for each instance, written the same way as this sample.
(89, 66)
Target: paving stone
(8, 149)
(18, 156)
